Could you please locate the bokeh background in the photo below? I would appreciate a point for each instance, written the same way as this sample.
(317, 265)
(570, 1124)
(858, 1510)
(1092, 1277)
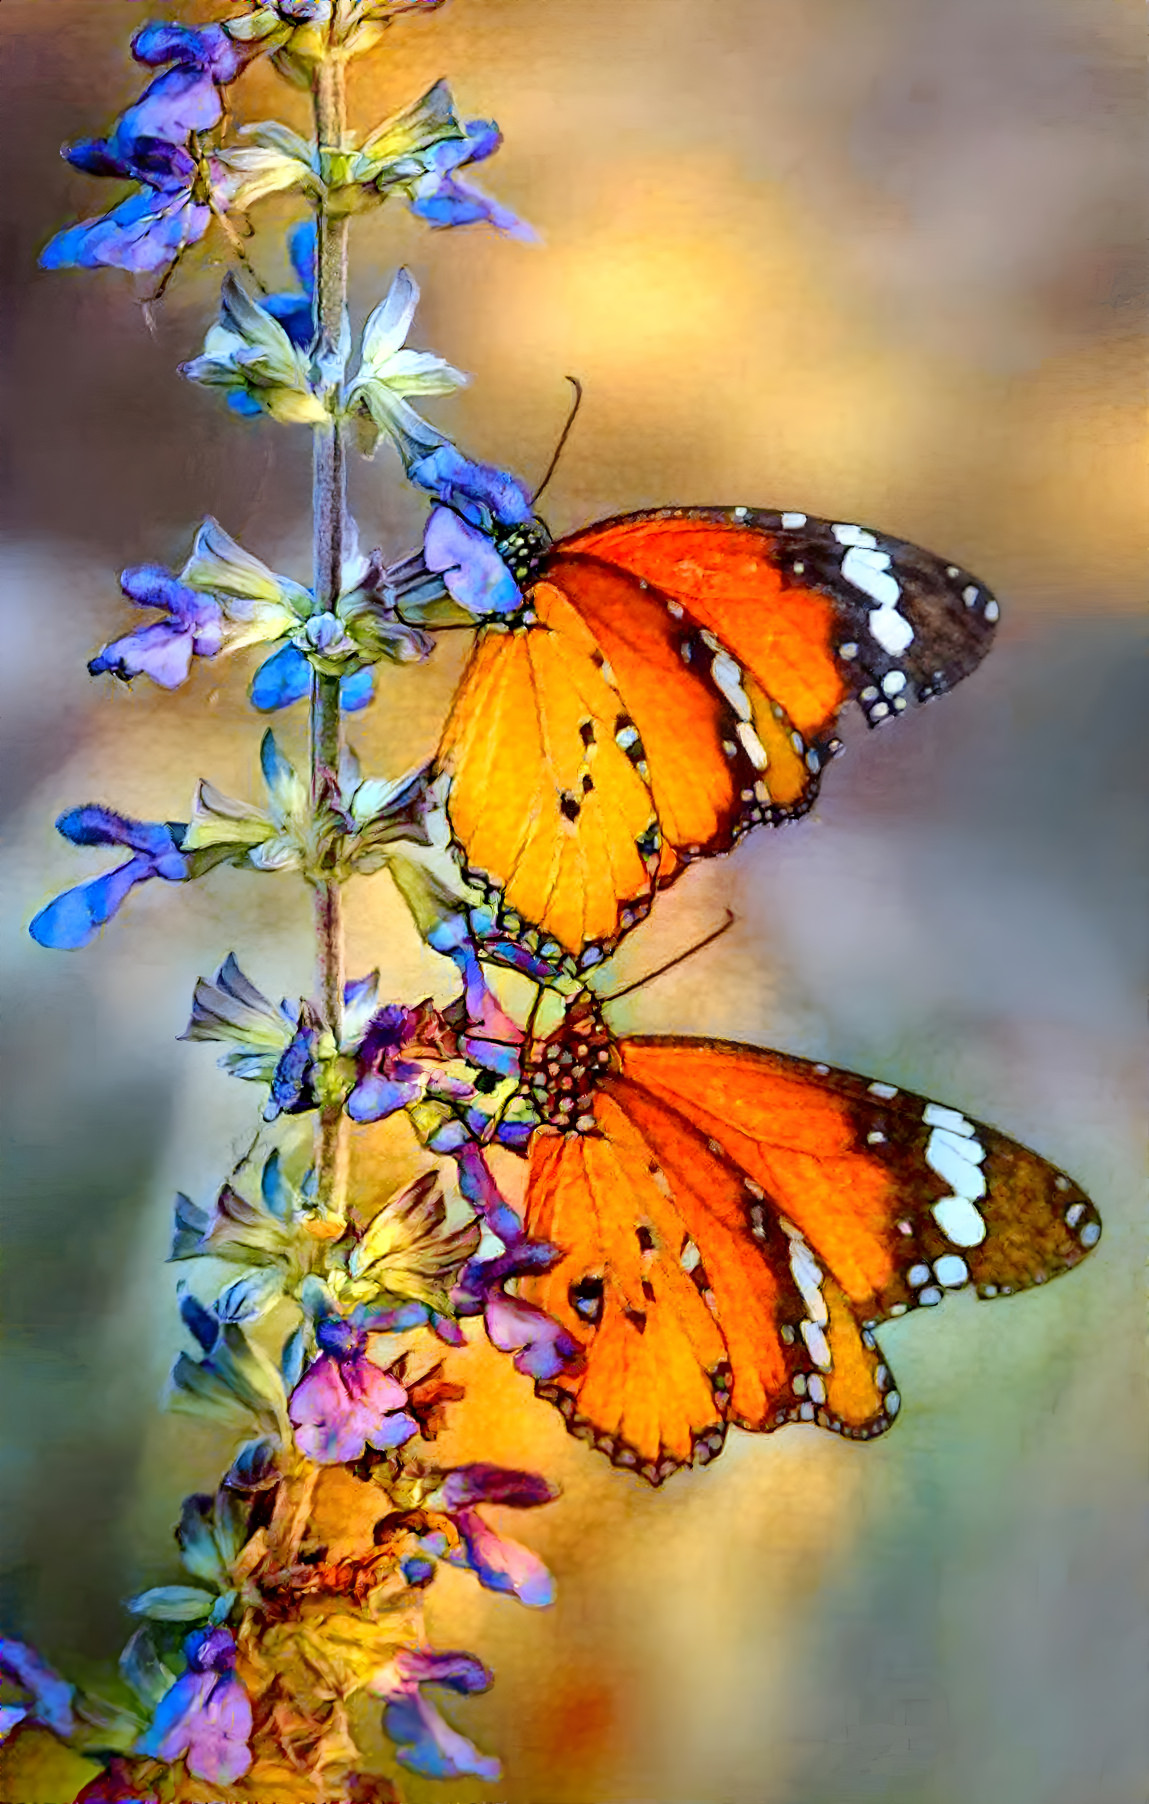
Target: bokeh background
(870, 258)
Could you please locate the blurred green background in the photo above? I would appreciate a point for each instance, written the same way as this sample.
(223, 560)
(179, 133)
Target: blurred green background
(869, 258)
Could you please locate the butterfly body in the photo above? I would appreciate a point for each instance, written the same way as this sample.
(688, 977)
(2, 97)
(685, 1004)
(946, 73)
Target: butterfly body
(671, 680)
(736, 1223)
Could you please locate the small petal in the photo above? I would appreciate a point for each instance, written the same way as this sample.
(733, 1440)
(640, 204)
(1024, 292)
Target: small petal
(389, 324)
(541, 1346)
(473, 489)
(480, 1483)
(283, 679)
(51, 1695)
(74, 919)
(425, 1742)
(473, 572)
(501, 1564)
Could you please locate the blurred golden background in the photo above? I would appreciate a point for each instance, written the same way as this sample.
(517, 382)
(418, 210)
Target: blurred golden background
(870, 258)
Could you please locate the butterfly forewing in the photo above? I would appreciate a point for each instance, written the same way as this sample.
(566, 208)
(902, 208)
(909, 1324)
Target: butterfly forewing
(818, 610)
(675, 679)
(903, 1199)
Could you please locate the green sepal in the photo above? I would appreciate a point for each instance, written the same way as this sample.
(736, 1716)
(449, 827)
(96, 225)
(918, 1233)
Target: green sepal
(235, 1375)
(173, 1603)
(211, 1532)
(144, 1671)
(275, 160)
(249, 350)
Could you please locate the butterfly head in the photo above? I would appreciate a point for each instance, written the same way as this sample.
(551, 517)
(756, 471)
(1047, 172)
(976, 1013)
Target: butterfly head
(522, 548)
(563, 1071)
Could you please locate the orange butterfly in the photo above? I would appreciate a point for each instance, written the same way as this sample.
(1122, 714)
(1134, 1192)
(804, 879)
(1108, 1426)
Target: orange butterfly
(642, 693)
(735, 1223)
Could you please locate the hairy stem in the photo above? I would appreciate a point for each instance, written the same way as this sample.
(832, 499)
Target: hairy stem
(329, 496)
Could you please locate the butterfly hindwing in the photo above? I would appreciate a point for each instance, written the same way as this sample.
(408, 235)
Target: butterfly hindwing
(550, 811)
(696, 1308)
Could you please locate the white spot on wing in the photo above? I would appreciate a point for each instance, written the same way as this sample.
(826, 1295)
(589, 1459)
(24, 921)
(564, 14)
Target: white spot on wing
(869, 570)
(728, 676)
(960, 1221)
(917, 1275)
(934, 1115)
(1090, 1234)
(817, 1345)
(945, 1154)
(894, 682)
(752, 745)
(790, 521)
(854, 535)
(891, 629)
(951, 1271)
(991, 611)
(884, 1090)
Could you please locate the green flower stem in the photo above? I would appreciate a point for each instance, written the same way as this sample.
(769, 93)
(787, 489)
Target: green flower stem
(329, 494)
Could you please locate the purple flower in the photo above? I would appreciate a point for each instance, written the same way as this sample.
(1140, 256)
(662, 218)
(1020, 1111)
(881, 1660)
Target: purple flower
(206, 1716)
(493, 1041)
(154, 144)
(541, 1346)
(392, 1071)
(479, 492)
(163, 649)
(345, 1403)
(387, 1081)
(50, 1695)
(207, 48)
(426, 1744)
(75, 918)
(444, 197)
(499, 1563)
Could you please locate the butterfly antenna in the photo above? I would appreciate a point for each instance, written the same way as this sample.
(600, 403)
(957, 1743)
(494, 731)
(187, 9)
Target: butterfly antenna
(563, 437)
(679, 959)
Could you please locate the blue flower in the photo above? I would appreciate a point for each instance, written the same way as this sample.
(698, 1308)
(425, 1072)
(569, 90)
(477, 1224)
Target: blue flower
(481, 506)
(285, 678)
(155, 143)
(207, 48)
(224, 598)
(426, 1744)
(74, 919)
(205, 1718)
(479, 492)
(444, 197)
